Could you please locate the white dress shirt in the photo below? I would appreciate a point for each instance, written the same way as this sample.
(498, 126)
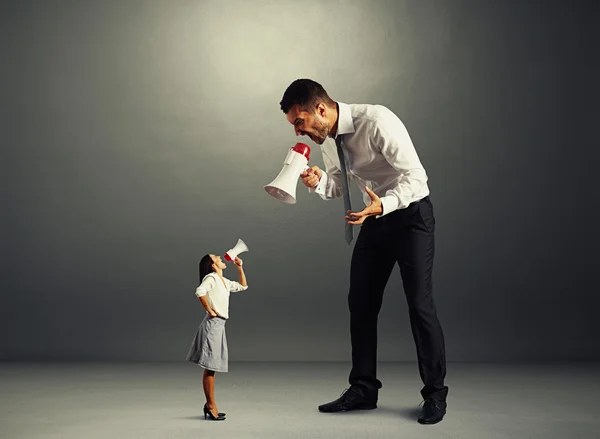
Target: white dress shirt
(218, 292)
(379, 154)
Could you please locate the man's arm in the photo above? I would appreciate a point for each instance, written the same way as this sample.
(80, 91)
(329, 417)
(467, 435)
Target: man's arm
(389, 135)
(330, 184)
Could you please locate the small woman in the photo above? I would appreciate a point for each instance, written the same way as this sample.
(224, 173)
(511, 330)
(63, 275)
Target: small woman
(209, 347)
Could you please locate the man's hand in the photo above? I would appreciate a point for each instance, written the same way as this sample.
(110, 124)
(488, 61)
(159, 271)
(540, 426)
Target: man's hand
(374, 208)
(312, 176)
(212, 314)
(237, 261)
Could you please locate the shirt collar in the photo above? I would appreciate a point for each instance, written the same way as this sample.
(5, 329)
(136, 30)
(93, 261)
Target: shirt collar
(345, 123)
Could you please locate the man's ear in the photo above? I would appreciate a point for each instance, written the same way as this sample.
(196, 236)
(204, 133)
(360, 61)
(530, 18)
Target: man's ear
(321, 109)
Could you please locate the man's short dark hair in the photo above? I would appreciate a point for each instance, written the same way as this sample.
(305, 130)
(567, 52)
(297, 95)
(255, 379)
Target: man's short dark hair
(305, 93)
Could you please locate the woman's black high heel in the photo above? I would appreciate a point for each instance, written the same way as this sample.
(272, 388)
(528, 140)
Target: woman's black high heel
(208, 413)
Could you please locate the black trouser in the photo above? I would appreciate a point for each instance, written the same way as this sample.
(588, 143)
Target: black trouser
(406, 237)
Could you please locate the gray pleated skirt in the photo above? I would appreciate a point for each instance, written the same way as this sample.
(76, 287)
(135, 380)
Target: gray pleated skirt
(209, 347)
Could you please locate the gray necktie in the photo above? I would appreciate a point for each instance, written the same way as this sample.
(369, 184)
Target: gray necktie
(345, 187)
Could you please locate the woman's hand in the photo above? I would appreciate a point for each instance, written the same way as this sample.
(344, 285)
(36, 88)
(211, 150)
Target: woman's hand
(237, 261)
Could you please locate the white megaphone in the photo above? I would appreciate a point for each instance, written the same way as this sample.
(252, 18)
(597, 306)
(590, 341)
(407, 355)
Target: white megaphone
(240, 247)
(283, 187)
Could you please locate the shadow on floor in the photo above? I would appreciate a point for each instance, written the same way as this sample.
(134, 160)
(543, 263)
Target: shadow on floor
(410, 413)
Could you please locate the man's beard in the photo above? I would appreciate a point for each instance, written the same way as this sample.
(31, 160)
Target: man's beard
(322, 130)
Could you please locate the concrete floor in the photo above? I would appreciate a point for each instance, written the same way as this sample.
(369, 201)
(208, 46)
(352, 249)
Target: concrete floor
(279, 400)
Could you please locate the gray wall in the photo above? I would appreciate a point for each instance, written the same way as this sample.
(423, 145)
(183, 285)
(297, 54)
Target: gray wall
(138, 136)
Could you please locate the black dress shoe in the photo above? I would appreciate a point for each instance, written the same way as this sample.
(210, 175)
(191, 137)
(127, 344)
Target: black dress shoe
(351, 399)
(433, 411)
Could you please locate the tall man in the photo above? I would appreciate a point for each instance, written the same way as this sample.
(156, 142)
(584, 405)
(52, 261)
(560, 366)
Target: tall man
(373, 148)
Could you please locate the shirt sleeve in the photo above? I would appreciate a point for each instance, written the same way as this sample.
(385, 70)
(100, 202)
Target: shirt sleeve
(330, 184)
(234, 286)
(390, 137)
(207, 284)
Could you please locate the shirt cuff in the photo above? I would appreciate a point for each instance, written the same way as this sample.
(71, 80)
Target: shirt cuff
(389, 203)
(320, 188)
(200, 292)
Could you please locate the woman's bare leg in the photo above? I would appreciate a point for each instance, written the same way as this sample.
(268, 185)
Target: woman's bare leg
(208, 383)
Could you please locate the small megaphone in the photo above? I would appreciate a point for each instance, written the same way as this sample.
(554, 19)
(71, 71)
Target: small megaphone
(240, 247)
(283, 187)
